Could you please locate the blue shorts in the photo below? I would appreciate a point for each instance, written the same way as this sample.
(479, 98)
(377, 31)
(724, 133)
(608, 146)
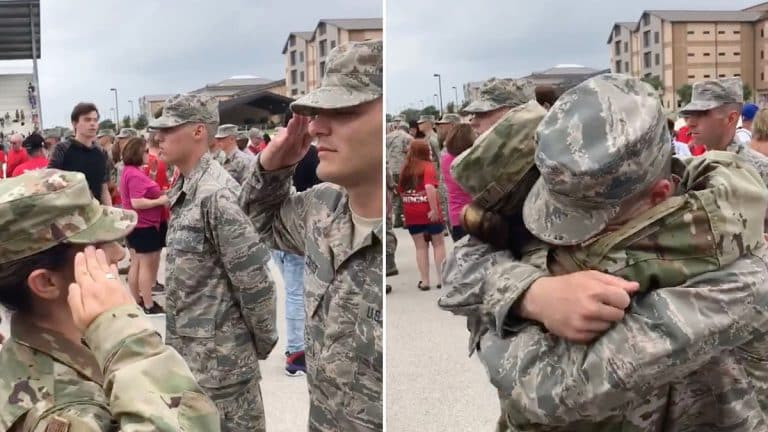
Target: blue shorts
(432, 229)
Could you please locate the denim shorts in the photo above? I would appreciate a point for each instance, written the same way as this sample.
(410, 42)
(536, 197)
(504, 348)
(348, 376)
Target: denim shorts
(432, 229)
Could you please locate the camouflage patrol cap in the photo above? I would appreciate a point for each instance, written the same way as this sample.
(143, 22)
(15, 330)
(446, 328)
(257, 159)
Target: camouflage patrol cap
(187, 108)
(500, 158)
(601, 144)
(353, 76)
(398, 118)
(449, 118)
(51, 133)
(255, 132)
(68, 133)
(226, 130)
(242, 135)
(105, 132)
(127, 133)
(426, 118)
(496, 93)
(711, 94)
(42, 208)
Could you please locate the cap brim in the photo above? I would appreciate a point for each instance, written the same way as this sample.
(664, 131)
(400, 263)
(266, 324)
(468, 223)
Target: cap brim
(560, 225)
(699, 106)
(222, 136)
(330, 98)
(113, 224)
(480, 107)
(164, 123)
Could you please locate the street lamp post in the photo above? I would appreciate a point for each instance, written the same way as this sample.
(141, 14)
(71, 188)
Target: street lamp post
(130, 101)
(112, 115)
(456, 99)
(117, 108)
(440, 90)
(422, 103)
(434, 96)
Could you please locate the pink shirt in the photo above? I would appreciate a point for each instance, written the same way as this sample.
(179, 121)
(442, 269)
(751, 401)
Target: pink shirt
(457, 198)
(135, 184)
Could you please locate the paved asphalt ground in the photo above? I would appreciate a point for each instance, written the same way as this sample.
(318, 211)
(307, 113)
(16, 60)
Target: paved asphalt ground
(431, 383)
(286, 402)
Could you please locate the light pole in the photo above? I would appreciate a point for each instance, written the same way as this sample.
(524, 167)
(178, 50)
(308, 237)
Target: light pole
(112, 114)
(131, 102)
(117, 108)
(440, 90)
(456, 99)
(434, 96)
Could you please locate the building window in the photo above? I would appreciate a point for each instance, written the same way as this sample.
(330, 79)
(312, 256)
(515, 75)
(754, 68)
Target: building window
(301, 76)
(294, 92)
(762, 54)
(647, 39)
(690, 32)
(737, 53)
(646, 20)
(333, 44)
(721, 54)
(762, 33)
(658, 59)
(706, 75)
(762, 76)
(322, 48)
(721, 32)
(721, 76)
(706, 31)
(626, 67)
(707, 54)
(293, 77)
(647, 60)
(617, 31)
(737, 32)
(293, 40)
(301, 56)
(691, 54)
(321, 29)
(617, 48)
(322, 69)
(293, 58)
(737, 75)
(656, 37)
(618, 66)
(626, 46)
(691, 76)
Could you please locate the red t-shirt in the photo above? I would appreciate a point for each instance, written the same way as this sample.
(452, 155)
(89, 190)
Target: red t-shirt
(158, 172)
(37, 162)
(415, 202)
(2, 162)
(683, 135)
(16, 158)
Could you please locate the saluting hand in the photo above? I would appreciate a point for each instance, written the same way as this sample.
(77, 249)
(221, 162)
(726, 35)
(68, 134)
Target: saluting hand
(289, 146)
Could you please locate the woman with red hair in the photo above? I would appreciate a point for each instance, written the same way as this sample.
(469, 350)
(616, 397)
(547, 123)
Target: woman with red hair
(421, 209)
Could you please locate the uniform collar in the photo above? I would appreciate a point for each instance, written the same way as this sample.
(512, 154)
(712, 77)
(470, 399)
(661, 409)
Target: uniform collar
(188, 184)
(339, 231)
(735, 146)
(57, 346)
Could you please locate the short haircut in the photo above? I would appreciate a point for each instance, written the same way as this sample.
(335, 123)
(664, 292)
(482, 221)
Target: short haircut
(133, 152)
(760, 126)
(546, 94)
(14, 291)
(81, 109)
(459, 139)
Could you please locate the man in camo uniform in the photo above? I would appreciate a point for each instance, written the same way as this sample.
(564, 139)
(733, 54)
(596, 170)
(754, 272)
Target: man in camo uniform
(497, 97)
(689, 356)
(338, 227)
(397, 143)
(220, 308)
(713, 116)
(236, 162)
(123, 377)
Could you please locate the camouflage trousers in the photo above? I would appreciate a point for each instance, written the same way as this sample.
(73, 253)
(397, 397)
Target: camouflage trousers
(391, 248)
(240, 406)
(397, 204)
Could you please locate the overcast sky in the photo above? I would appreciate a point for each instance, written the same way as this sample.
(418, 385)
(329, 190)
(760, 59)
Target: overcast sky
(157, 47)
(475, 40)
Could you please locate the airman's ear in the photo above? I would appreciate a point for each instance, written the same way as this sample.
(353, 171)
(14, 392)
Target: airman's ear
(42, 284)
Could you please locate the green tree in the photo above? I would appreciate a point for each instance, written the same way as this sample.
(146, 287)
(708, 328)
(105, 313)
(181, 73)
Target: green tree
(684, 94)
(410, 114)
(430, 110)
(654, 81)
(389, 118)
(747, 93)
(141, 122)
(450, 107)
(126, 121)
(107, 124)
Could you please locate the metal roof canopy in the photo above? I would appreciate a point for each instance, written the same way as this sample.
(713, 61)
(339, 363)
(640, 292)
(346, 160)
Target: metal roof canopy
(18, 20)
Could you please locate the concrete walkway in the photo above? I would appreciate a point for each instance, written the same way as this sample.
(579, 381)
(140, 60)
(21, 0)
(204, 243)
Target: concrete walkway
(431, 384)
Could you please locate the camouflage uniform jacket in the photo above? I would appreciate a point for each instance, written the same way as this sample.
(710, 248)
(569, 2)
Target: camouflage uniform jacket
(343, 296)
(547, 384)
(128, 381)
(434, 151)
(221, 298)
(397, 147)
(754, 158)
(237, 165)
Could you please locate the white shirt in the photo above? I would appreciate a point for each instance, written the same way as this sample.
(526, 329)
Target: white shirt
(743, 136)
(682, 150)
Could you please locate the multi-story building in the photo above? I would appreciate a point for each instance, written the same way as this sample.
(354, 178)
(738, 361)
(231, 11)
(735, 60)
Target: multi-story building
(682, 47)
(150, 104)
(306, 52)
(472, 90)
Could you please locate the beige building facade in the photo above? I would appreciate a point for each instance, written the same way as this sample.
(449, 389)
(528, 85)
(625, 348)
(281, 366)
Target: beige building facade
(683, 47)
(306, 53)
